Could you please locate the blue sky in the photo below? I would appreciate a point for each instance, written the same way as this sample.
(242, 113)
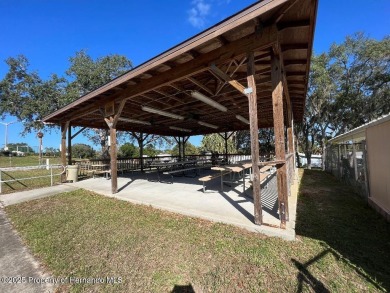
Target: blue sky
(48, 32)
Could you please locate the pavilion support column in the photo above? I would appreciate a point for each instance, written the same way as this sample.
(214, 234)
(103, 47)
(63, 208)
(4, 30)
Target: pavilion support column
(185, 139)
(254, 133)
(69, 145)
(290, 140)
(141, 150)
(112, 114)
(280, 153)
(64, 128)
(180, 145)
(226, 137)
(113, 161)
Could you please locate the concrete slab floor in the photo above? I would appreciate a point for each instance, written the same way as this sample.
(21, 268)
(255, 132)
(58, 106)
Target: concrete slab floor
(185, 196)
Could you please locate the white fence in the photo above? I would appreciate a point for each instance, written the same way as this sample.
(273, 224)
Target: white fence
(31, 168)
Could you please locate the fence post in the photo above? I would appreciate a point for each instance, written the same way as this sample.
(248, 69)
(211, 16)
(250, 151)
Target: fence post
(51, 175)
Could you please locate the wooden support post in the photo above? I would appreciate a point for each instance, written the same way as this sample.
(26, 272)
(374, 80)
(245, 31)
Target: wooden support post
(290, 141)
(185, 139)
(69, 145)
(226, 137)
(254, 132)
(113, 160)
(64, 128)
(180, 146)
(280, 153)
(226, 146)
(112, 118)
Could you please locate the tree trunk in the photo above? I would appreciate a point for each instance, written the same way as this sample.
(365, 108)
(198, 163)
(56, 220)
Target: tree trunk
(308, 159)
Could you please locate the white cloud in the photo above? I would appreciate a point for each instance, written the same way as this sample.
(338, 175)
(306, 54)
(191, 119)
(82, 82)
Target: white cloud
(198, 13)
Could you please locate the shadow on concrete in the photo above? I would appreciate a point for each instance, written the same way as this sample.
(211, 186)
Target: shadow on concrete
(236, 205)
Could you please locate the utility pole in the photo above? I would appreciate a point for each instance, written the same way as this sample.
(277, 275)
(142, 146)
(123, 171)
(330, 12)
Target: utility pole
(40, 136)
(6, 133)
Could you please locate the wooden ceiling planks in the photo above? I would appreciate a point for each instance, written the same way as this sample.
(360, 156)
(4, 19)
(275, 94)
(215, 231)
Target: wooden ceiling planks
(166, 81)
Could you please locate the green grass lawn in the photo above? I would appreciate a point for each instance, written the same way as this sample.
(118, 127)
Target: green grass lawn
(20, 184)
(342, 245)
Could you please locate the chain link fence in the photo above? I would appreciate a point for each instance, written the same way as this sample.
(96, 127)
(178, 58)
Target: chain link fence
(348, 162)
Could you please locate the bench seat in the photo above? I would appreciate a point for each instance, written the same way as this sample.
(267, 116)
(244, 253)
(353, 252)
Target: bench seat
(211, 177)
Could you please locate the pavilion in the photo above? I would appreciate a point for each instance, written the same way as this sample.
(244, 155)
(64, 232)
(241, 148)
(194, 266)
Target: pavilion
(249, 71)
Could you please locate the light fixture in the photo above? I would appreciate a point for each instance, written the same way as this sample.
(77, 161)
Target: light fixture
(180, 129)
(208, 124)
(208, 101)
(135, 121)
(161, 112)
(239, 117)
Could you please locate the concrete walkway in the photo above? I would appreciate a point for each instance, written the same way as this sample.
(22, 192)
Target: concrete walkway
(18, 197)
(19, 271)
(17, 263)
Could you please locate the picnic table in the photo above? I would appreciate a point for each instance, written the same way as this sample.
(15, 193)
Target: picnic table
(100, 169)
(238, 171)
(175, 168)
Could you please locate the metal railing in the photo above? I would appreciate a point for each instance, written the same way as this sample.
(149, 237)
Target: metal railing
(31, 168)
(131, 164)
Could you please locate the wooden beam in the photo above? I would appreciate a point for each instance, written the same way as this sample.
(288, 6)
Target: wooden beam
(113, 159)
(194, 81)
(254, 133)
(295, 62)
(227, 78)
(238, 65)
(64, 129)
(169, 97)
(187, 69)
(278, 15)
(293, 24)
(277, 102)
(78, 132)
(298, 46)
(286, 90)
(118, 112)
(69, 145)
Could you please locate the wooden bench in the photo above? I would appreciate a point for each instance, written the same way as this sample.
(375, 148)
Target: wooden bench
(263, 177)
(211, 177)
(99, 172)
(265, 169)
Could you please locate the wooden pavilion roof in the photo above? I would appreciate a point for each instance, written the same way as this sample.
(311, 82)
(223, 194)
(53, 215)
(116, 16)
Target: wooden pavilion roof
(206, 63)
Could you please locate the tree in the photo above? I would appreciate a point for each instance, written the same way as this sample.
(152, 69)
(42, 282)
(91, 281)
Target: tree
(51, 152)
(348, 86)
(20, 146)
(361, 74)
(82, 151)
(28, 97)
(318, 107)
(150, 151)
(189, 149)
(216, 144)
(128, 150)
(86, 75)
